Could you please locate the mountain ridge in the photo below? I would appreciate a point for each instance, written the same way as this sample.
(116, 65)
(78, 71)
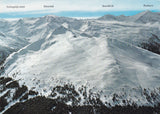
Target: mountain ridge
(143, 17)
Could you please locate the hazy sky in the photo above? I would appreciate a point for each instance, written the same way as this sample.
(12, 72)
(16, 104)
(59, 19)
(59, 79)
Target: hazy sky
(75, 8)
(78, 5)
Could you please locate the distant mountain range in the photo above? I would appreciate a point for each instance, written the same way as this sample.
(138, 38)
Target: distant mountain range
(116, 57)
(143, 17)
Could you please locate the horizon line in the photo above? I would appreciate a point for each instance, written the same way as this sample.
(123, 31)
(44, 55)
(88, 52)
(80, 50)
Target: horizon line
(72, 14)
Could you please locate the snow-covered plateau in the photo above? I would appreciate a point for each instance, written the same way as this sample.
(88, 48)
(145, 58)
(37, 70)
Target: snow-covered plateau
(114, 56)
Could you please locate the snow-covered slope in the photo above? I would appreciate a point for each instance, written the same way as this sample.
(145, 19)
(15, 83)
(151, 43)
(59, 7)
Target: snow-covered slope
(8, 41)
(15, 34)
(103, 55)
(108, 64)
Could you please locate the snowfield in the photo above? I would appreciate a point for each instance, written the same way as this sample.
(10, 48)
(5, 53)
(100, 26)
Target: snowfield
(103, 54)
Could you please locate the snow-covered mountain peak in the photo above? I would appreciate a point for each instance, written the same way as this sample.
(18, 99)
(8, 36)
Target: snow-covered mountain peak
(54, 16)
(146, 17)
(108, 17)
(20, 22)
(143, 17)
(145, 12)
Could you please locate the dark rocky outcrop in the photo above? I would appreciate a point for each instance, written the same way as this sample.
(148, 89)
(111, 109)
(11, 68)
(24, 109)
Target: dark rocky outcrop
(153, 44)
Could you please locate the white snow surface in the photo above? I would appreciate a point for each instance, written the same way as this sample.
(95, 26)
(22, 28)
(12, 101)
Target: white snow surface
(102, 54)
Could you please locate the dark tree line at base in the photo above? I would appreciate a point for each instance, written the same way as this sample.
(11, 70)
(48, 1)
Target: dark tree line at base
(42, 105)
(30, 102)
